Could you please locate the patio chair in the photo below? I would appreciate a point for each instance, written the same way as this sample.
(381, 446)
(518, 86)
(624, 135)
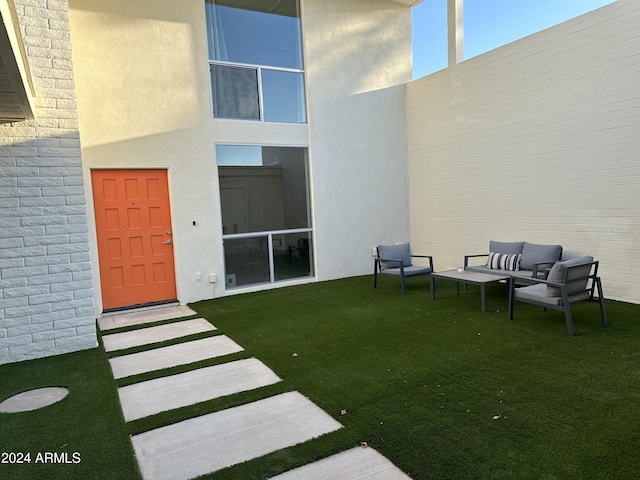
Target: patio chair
(569, 283)
(395, 261)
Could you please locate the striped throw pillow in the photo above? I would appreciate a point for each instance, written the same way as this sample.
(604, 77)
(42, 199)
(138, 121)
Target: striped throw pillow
(502, 261)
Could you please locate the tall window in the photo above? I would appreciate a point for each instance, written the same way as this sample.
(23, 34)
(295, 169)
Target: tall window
(255, 59)
(266, 222)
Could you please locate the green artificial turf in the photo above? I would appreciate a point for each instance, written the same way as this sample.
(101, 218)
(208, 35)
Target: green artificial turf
(441, 389)
(87, 425)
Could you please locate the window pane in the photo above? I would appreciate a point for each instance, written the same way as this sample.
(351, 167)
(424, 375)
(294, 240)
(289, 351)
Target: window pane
(265, 196)
(235, 92)
(283, 96)
(292, 256)
(250, 32)
(246, 261)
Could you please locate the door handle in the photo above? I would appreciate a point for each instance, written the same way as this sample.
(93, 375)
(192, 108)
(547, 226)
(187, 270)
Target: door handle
(168, 242)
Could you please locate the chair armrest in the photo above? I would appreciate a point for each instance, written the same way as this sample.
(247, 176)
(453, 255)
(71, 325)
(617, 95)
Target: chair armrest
(467, 257)
(430, 257)
(377, 265)
(534, 281)
(537, 270)
(396, 260)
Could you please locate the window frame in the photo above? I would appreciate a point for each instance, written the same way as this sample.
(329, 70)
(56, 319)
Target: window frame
(259, 68)
(271, 233)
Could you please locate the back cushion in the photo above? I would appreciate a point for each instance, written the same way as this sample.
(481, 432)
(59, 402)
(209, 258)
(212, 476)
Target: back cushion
(534, 253)
(576, 279)
(400, 251)
(509, 248)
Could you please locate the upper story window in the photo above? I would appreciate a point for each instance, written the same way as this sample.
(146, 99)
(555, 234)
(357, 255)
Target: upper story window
(255, 59)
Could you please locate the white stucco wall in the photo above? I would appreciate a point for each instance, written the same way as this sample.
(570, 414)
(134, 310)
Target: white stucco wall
(358, 56)
(144, 102)
(538, 141)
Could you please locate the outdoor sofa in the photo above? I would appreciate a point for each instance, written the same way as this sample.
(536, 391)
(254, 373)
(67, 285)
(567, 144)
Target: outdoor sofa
(517, 259)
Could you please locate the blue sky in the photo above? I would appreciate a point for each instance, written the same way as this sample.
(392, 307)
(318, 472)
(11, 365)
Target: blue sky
(487, 24)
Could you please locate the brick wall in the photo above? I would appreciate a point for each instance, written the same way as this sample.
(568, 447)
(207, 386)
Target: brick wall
(46, 293)
(538, 141)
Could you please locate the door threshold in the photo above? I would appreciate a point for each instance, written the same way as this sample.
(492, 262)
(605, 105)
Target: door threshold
(140, 307)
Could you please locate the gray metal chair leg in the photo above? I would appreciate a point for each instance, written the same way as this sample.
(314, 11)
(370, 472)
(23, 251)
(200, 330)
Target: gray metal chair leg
(567, 314)
(603, 311)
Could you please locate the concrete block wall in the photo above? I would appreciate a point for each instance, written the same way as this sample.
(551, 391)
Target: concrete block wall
(538, 141)
(46, 291)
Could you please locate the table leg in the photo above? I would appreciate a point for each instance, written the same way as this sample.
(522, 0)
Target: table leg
(457, 288)
(483, 301)
(433, 288)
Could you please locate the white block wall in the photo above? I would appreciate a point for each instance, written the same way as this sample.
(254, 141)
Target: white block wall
(46, 294)
(358, 59)
(538, 140)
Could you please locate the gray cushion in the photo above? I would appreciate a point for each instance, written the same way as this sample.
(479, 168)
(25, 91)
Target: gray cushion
(410, 271)
(576, 280)
(510, 248)
(534, 253)
(399, 251)
(536, 293)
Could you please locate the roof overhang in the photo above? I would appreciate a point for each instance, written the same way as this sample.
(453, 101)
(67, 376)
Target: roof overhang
(408, 3)
(16, 87)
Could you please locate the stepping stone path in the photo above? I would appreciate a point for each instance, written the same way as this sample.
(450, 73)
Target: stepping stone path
(121, 341)
(208, 443)
(150, 397)
(172, 356)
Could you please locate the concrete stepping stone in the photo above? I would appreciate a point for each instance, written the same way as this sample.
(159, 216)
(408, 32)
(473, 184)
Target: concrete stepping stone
(145, 316)
(211, 442)
(33, 399)
(166, 393)
(355, 464)
(173, 355)
(161, 333)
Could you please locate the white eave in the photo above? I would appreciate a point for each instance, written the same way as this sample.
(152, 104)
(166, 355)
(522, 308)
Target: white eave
(408, 3)
(16, 87)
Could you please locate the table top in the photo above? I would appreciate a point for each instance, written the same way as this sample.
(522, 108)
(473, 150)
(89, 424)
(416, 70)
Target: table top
(470, 276)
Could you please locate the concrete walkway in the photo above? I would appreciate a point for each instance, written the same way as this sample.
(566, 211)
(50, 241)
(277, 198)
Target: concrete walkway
(355, 464)
(166, 393)
(147, 336)
(172, 356)
(211, 442)
(208, 443)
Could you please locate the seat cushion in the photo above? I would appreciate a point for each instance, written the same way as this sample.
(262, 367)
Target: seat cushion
(576, 281)
(510, 248)
(399, 251)
(534, 253)
(536, 294)
(410, 271)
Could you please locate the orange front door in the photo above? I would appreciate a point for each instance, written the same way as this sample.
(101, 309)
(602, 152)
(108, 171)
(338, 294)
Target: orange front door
(133, 224)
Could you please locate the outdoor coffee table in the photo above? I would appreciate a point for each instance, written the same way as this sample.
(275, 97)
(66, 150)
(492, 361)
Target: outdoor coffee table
(467, 276)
